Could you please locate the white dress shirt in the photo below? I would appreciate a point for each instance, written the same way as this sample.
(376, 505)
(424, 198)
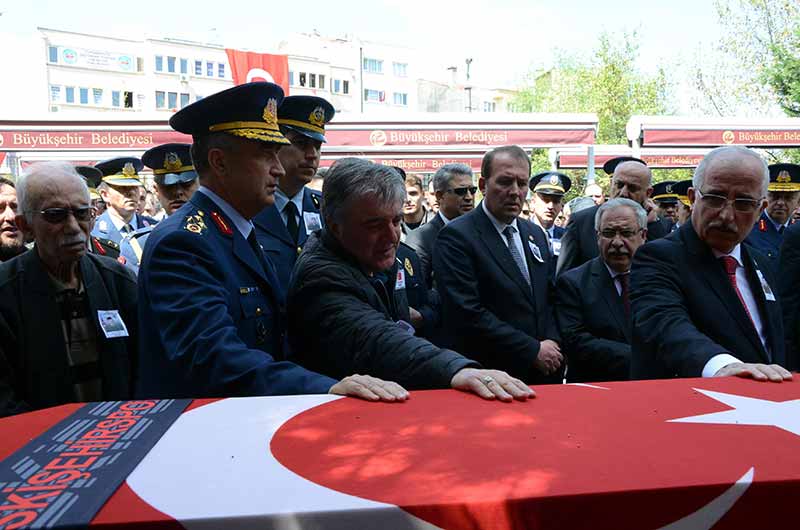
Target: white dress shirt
(443, 218)
(516, 240)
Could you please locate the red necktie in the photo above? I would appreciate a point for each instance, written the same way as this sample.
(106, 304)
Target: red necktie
(730, 264)
(625, 293)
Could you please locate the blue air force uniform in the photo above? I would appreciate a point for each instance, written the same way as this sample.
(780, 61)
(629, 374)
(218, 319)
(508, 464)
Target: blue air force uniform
(206, 291)
(767, 235)
(306, 115)
(123, 171)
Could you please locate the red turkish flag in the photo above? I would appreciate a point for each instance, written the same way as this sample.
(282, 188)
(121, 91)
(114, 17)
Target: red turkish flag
(251, 66)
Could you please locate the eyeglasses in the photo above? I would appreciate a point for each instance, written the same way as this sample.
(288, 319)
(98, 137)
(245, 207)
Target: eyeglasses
(718, 202)
(463, 191)
(59, 215)
(624, 233)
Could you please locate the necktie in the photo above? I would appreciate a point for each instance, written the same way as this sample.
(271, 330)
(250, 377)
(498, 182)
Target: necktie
(291, 220)
(509, 233)
(730, 264)
(257, 250)
(781, 228)
(624, 283)
(127, 229)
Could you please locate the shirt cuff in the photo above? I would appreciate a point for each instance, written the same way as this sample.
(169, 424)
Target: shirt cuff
(717, 362)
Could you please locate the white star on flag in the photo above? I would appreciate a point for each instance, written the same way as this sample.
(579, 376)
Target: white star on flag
(750, 411)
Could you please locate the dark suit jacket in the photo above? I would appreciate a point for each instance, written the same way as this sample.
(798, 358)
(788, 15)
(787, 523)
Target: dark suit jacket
(591, 319)
(489, 312)
(579, 242)
(274, 237)
(789, 293)
(422, 240)
(34, 372)
(215, 316)
(685, 310)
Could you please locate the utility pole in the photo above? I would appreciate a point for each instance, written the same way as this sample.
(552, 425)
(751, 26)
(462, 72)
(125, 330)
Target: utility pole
(468, 88)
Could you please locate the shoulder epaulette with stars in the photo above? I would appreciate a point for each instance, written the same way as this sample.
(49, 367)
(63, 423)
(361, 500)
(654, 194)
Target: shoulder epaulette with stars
(195, 223)
(103, 247)
(315, 198)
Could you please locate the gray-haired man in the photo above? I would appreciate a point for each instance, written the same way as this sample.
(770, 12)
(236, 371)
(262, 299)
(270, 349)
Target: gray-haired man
(347, 308)
(593, 306)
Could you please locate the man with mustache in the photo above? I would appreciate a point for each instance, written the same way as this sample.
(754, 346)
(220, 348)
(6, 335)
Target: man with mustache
(68, 324)
(120, 189)
(283, 228)
(704, 303)
(12, 240)
(630, 179)
(593, 302)
(493, 273)
(176, 182)
(783, 198)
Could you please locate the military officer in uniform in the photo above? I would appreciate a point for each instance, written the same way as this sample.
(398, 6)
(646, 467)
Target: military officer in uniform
(548, 189)
(176, 182)
(681, 189)
(666, 200)
(282, 228)
(783, 197)
(119, 189)
(208, 294)
(97, 245)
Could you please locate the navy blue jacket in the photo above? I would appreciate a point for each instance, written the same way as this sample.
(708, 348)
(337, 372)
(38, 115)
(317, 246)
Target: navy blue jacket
(214, 315)
(765, 237)
(274, 237)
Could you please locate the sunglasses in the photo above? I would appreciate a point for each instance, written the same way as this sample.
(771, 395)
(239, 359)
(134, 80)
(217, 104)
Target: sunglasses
(59, 215)
(463, 191)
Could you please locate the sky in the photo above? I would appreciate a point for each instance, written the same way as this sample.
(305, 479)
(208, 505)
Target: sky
(505, 38)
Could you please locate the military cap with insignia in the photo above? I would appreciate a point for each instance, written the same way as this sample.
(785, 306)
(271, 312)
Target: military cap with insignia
(93, 177)
(784, 177)
(681, 189)
(247, 111)
(550, 183)
(664, 192)
(122, 171)
(171, 163)
(306, 115)
(612, 163)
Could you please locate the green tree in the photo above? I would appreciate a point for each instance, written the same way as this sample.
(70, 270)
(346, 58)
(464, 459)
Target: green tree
(783, 74)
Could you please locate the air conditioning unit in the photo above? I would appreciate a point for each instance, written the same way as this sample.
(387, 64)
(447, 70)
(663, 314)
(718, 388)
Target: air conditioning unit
(184, 78)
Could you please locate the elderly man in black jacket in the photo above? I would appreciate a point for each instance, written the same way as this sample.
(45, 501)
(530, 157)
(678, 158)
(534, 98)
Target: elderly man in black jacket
(68, 323)
(347, 307)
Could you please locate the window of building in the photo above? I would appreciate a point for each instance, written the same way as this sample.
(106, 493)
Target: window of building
(171, 65)
(198, 68)
(84, 96)
(221, 70)
(489, 106)
(312, 80)
(172, 100)
(209, 69)
(97, 96)
(70, 94)
(115, 98)
(345, 87)
(160, 99)
(184, 99)
(291, 78)
(302, 79)
(321, 81)
(52, 54)
(400, 69)
(373, 66)
(375, 96)
(401, 98)
(55, 93)
(127, 99)
(184, 66)
(139, 64)
(337, 86)
(159, 63)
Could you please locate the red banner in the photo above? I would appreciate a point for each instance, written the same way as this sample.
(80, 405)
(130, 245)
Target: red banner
(22, 140)
(252, 66)
(717, 137)
(378, 138)
(421, 165)
(654, 161)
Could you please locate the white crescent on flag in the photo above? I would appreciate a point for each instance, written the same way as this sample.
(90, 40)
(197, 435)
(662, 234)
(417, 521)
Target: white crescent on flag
(259, 74)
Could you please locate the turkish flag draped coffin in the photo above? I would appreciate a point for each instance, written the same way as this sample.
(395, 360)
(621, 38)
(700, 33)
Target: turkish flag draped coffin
(251, 66)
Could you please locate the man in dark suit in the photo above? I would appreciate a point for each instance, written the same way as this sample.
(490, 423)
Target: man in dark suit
(493, 274)
(68, 326)
(783, 197)
(12, 240)
(789, 293)
(120, 189)
(548, 189)
(703, 303)
(283, 227)
(631, 179)
(209, 296)
(593, 304)
(455, 194)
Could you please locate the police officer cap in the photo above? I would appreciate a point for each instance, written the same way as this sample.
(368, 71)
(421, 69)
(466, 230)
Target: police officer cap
(612, 164)
(550, 183)
(306, 115)
(248, 111)
(784, 177)
(681, 189)
(122, 171)
(171, 163)
(664, 192)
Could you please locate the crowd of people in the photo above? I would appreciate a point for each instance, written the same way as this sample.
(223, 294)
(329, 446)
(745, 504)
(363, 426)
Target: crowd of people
(249, 281)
